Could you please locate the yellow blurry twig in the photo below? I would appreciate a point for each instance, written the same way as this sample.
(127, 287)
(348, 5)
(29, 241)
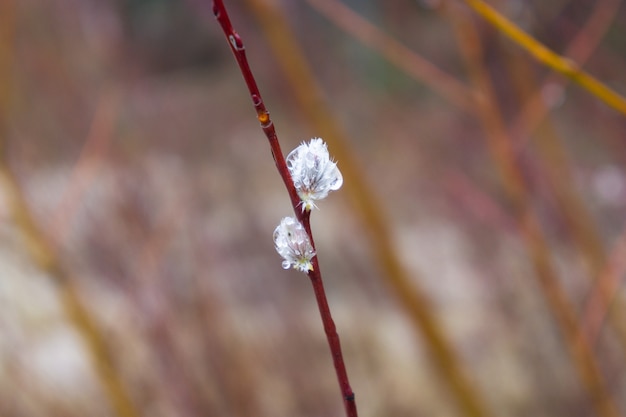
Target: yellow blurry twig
(580, 49)
(563, 65)
(405, 287)
(503, 154)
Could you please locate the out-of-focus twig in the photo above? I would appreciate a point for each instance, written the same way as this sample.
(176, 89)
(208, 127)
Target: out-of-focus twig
(603, 293)
(45, 257)
(41, 250)
(553, 162)
(580, 49)
(474, 201)
(7, 34)
(411, 296)
(564, 66)
(155, 305)
(504, 156)
(553, 165)
(90, 159)
(395, 52)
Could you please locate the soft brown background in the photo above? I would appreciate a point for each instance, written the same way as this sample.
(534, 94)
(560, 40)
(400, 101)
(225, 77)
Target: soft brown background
(133, 140)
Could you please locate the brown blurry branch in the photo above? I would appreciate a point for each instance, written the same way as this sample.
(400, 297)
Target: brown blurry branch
(554, 166)
(396, 53)
(552, 159)
(604, 293)
(159, 312)
(88, 164)
(411, 296)
(535, 110)
(504, 156)
(7, 38)
(45, 257)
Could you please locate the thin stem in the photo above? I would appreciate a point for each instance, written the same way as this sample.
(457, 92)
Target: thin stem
(329, 328)
(238, 49)
(369, 208)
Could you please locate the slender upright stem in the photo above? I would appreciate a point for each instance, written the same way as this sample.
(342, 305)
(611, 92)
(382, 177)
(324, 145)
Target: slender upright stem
(329, 327)
(238, 49)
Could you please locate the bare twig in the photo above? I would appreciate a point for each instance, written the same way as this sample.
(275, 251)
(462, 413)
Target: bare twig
(238, 49)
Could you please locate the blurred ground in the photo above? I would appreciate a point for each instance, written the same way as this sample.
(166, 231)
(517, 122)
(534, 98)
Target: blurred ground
(133, 141)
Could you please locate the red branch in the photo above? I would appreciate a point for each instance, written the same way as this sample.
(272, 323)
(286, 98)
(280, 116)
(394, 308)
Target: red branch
(238, 49)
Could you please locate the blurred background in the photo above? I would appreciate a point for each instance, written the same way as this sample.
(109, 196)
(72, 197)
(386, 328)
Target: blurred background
(472, 260)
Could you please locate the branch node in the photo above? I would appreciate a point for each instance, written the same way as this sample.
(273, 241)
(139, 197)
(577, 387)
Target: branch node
(264, 118)
(236, 42)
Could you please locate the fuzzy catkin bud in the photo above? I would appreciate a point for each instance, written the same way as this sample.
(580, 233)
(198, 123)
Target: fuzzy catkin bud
(314, 174)
(293, 244)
